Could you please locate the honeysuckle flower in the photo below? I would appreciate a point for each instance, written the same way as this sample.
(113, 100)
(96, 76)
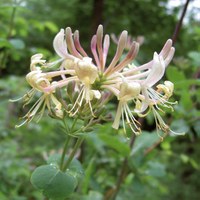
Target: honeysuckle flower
(39, 81)
(153, 99)
(87, 73)
(93, 77)
(128, 92)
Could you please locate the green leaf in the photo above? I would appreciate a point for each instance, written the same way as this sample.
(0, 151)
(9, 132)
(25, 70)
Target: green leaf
(54, 183)
(93, 195)
(194, 56)
(51, 26)
(17, 43)
(194, 164)
(186, 100)
(155, 169)
(180, 126)
(115, 143)
(197, 127)
(60, 186)
(4, 43)
(2, 196)
(184, 158)
(144, 141)
(75, 168)
(54, 160)
(41, 176)
(184, 84)
(88, 174)
(174, 75)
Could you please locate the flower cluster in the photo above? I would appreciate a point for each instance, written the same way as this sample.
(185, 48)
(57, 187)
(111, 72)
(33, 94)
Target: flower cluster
(93, 77)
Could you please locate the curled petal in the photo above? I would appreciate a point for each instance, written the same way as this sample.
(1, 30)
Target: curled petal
(156, 72)
(36, 59)
(120, 48)
(60, 45)
(129, 57)
(94, 51)
(99, 35)
(106, 45)
(78, 45)
(169, 57)
(166, 49)
(70, 43)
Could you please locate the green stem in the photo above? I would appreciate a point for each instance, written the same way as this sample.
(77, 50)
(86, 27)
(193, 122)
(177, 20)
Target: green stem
(66, 126)
(123, 171)
(64, 151)
(10, 28)
(77, 145)
(75, 120)
(12, 20)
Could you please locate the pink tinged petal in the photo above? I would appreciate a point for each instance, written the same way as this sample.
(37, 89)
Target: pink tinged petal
(78, 45)
(70, 43)
(59, 84)
(167, 53)
(157, 71)
(99, 35)
(106, 46)
(146, 66)
(169, 57)
(120, 48)
(59, 73)
(166, 49)
(93, 49)
(60, 45)
(129, 57)
(138, 76)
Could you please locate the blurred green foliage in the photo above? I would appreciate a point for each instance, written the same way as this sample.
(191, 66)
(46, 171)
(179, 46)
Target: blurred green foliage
(169, 171)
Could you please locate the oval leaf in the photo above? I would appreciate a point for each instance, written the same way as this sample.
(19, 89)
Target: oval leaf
(60, 186)
(42, 175)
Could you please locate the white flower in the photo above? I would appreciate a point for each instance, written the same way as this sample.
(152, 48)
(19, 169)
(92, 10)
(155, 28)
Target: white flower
(134, 86)
(128, 92)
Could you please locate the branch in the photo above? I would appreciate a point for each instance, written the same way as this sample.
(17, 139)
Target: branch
(179, 24)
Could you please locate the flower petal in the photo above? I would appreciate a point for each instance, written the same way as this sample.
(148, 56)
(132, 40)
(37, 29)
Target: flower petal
(157, 71)
(60, 45)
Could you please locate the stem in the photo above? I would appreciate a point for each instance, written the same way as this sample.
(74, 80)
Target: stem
(123, 171)
(74, 122)
(11, 25)
(77, 145)
(179, 24)
(12, 20)
(64, 151)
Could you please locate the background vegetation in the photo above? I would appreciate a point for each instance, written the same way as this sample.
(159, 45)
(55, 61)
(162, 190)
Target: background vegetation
(166, 170)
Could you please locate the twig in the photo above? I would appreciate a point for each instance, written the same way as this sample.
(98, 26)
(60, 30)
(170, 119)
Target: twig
(179, 24)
